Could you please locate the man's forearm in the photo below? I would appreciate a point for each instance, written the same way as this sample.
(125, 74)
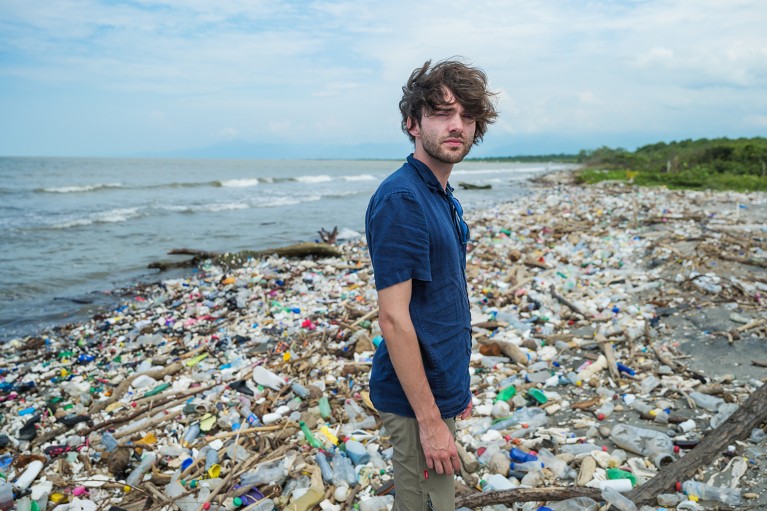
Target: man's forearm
(405, 354)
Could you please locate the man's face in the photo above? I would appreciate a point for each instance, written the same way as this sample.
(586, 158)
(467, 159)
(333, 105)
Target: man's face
(447, 133)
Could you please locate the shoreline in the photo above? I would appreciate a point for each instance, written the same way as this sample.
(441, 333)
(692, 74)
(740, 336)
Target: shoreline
(551, 273)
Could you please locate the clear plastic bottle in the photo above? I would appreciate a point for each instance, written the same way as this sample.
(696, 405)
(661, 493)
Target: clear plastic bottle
(343, 470)
(647, 442)
(137, 475)
(325, 469)
(619, 501)
(557, 465)
(271, 472)
(6, 496)
(605, 410)
(377, 503)
(108, 441)
(729, 496)
(191, 434)
(324, 407)
(710, 403)
(534, 417)
(576, 504)
(496, 482)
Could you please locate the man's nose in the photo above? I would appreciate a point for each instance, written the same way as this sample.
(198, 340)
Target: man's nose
(456, 122)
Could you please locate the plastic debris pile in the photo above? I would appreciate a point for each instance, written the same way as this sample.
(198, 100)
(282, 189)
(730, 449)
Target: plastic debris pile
(247, 387)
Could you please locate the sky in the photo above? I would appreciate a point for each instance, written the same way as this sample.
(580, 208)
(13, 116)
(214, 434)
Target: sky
(211, 77)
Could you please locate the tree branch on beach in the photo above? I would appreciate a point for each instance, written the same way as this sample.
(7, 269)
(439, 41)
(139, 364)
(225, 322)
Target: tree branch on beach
(236, 259)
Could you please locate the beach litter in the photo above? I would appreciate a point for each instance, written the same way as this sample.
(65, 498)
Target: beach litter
(618, 358)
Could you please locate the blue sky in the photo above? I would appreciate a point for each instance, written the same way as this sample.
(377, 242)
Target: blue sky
(116, 78)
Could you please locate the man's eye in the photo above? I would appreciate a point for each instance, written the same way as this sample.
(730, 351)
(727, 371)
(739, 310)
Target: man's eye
(468, 118)
(441, 113)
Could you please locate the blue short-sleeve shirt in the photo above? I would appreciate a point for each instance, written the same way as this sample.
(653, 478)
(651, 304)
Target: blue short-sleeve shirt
(411, 234)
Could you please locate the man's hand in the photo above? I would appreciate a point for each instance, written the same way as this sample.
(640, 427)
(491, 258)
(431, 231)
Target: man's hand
(467, 412)
(439, 447)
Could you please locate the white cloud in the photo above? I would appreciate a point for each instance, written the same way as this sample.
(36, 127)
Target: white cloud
(292, 69)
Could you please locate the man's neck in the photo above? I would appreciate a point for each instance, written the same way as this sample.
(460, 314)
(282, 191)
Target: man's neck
(441, 170)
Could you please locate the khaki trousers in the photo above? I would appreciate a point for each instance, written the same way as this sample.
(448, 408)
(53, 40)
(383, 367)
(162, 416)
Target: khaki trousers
(413, 491)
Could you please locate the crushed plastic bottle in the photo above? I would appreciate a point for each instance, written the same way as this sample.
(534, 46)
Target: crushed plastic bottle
(729, 496)
(656, 445)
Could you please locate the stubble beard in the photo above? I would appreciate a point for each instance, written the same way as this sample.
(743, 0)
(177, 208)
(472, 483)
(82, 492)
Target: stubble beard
(434, 148)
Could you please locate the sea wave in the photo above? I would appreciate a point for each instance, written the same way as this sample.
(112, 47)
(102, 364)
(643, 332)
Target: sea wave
(322, 178)
(102, 217)
(207, 208)
(240, 183)
(360, 177)
(79, 188)
(274, 202)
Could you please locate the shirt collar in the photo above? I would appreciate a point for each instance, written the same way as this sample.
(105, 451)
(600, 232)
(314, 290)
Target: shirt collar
(428, 176)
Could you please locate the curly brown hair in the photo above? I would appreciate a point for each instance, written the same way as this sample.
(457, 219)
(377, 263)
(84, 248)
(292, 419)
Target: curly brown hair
(425, 91)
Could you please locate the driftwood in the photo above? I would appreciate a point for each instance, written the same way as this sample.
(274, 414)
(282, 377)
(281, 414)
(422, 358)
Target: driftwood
(238, 258)
(470, 186)
(525, 495)
(751, 414)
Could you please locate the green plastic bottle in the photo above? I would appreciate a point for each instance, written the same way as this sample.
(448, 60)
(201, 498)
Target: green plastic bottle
(506, 393)
(309, 436)
(537, 395)
(324, 407)
(616, 473)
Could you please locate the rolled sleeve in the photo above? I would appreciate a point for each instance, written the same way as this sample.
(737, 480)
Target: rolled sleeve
(398, 240)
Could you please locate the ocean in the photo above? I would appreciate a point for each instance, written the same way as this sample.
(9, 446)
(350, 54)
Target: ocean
(74, 231)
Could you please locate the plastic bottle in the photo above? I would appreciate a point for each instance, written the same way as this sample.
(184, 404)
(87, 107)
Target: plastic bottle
(271, 472)
(729, 496)
(343, 471)
(357, 452)
(619, 501)
(299, 390)
(324, 407)
(576, 504)
(309, 436)
(6, 496)
(250, 417)
(521, 456)
(265, 377)
(191, 434)
(137, 475)
(533, 417)
(527, 466)
(605, 410)
(29, 475)
(647, 442)
(537, 395)
(325, 469)
(506, 393)
(496, 482)
(616, 473)
(377, 503)
(710, 403)
(557, 466)
(108, 441)
(649, 383)
(376, 460)
(532, 479)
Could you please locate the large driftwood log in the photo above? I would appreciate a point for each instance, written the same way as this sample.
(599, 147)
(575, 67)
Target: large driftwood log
(234, 259)
(750, 415)
(525, 495)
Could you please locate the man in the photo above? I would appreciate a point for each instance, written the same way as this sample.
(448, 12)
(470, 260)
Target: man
(417, 242)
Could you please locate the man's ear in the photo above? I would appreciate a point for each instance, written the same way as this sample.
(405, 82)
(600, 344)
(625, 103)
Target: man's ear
(412, 127)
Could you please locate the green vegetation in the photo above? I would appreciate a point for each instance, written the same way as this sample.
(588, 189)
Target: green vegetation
(539, 158)
(718, 164)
